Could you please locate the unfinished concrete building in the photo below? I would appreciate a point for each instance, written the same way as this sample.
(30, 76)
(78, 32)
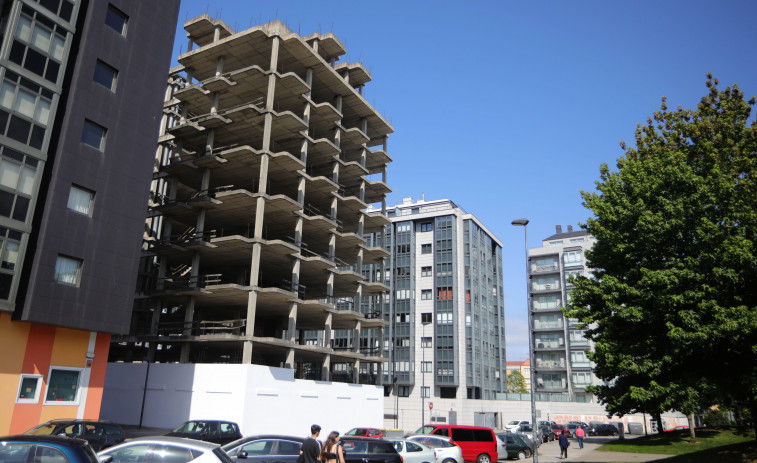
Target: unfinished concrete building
(268, 160)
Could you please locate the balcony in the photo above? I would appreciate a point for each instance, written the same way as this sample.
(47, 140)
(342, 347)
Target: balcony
(545, 288)
(547, 268)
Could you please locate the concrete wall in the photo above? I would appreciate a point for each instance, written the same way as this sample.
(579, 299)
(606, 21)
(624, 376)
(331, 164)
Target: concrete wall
(471, 412)
(261, 399)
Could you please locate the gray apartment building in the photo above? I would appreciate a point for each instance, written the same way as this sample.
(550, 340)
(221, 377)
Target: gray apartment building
(446, 336)
(80, 102)
(268, 158)
(561, 368)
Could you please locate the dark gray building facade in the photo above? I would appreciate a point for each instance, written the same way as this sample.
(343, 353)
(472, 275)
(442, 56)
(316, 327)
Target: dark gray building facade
(80, 104)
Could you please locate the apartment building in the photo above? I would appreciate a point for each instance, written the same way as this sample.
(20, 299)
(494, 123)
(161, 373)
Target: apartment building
(446, 340)
(561, 368)
(80, 105)
(524, 368)
(267, 160)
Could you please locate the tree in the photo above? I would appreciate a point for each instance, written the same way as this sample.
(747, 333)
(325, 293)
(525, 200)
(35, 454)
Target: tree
(516, 382)
(672, 305)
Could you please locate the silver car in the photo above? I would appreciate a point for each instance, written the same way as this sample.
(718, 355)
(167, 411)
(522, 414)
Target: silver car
(446, 451)
(164, 449)
(413, 452)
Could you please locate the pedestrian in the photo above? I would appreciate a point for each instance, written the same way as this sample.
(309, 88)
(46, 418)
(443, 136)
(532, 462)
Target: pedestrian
(332, 452)
(311, 449)
(564, 444)
(580, 437)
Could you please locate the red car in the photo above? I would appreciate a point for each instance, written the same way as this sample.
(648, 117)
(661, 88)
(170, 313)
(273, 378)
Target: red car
(365, 432)
(557, 429)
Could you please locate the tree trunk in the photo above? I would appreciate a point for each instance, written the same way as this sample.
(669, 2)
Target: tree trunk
(753, 409)
(692, 432)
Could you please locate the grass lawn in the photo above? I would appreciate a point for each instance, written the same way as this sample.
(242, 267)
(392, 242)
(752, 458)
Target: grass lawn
(712, 445)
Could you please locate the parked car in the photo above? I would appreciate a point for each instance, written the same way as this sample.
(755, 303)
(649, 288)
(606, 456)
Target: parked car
(527, 432)
(478, 443)
(580, 423)
(514, 447)
(219, 432)
(546, 433)
(571, 427)
(446, 450)
(100, 434)
(512, 426)
(413, 452)
(557, 429)
(164, 449)
(366, 432)
(368, 449)
(603, 430)
(45, 448)
(282, 449)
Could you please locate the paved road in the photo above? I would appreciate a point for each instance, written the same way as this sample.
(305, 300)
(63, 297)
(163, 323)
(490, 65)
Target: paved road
(549, 452)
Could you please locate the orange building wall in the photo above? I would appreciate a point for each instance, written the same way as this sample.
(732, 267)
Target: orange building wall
(30, 348)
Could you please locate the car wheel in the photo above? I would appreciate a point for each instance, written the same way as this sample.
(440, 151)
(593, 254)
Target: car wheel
(522, 455)
(528, 453)
(483, 458)
(449, 460)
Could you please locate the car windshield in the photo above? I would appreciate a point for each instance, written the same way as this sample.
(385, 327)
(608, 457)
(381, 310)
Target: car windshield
(514, 422)
(191, 427)
(43, 429)
(357, 432)
(424, 430)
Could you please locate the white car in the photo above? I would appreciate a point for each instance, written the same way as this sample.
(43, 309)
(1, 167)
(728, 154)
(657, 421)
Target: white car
(446, 451)
(413, 452)
(513, 426)
(164, 448)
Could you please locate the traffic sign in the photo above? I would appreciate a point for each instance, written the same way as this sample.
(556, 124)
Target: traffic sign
(430, 405)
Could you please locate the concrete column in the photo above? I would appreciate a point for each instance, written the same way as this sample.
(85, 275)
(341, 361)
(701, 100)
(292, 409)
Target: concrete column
(214, 103)
(209, 141)
(356, 334)
(219, 66)
(315, 45)
(217, 33)
(250, 327)
(291, 330)
(327, 330)
(360, 89)
(346, 77)
(200, 224)
(190, 75)
(356, 372)
(361, 225)
(187, 331)
(364, 151)
(190, 43)
(326, 368)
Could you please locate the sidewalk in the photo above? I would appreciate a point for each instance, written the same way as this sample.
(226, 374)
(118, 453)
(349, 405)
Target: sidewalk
(549, 452)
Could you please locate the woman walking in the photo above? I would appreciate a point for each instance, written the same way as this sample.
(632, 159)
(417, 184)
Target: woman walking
(332, 452)
(564, 444)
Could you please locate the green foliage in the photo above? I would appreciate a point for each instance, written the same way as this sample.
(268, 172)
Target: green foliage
(516, 382)
(672, 309)
(714, 418)
(676, 443)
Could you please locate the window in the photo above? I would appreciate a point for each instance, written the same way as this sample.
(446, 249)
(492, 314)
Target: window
(10, 241)
(403, 391)
(105, 75)
(62, 8)
(93, 135)
(63, 385)
(426, 271)
(572, 258)
(555, 243)
(132, 454)
(116, 19)
(28, 389)
(81, 200)
(17, 177)
(427, 367)
(426, 294)
(426, 248)
(28, 110)
(39, 44)
(67, 270)
(443, 294)
(427, 226)
(426, 341)
(426, 318)
(582, 379)
(426, 391)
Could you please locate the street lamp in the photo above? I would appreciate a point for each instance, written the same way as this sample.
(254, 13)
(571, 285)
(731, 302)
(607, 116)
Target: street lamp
(425, 320)
(524, 223)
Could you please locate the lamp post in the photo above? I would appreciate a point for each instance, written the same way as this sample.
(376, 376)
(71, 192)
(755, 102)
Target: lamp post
(524, 223)
(424, 322)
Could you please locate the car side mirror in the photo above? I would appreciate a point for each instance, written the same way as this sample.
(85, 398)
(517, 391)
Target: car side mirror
(242, 454)
(106, 459)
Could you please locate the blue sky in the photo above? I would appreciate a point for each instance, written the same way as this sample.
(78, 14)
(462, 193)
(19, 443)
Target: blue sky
(508, 108)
